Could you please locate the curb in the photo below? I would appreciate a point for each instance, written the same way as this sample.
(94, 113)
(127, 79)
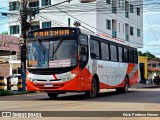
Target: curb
(139, 85)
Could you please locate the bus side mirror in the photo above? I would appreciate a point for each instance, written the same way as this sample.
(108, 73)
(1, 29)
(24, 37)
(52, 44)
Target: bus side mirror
(83, 50)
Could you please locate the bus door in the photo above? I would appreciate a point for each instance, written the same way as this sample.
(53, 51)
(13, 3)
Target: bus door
(84, 68)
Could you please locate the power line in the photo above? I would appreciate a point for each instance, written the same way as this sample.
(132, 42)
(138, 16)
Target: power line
(90, 26)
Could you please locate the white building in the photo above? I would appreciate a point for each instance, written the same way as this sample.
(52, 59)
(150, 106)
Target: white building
(116, 20)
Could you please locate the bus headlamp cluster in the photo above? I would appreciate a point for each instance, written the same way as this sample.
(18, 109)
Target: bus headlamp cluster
(69, 76)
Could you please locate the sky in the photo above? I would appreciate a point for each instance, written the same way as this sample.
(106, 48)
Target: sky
(151, 32)
(3, 22)
(151, 24)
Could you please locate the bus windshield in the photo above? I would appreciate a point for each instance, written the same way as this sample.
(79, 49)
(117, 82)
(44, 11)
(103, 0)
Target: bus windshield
(52, 54)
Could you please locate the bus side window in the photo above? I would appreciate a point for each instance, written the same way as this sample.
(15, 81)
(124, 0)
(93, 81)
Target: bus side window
(131, 58)
(113, 50)
(135, 56)
(120, 54)
(105, 51)
(94, 49)
(125, 55)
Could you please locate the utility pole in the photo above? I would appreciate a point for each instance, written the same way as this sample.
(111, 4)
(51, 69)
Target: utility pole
(24, 28)
(24, 12)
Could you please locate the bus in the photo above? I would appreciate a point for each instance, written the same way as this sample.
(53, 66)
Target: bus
(68, 59)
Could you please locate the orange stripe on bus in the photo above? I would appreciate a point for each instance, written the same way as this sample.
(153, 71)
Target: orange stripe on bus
(130, 68)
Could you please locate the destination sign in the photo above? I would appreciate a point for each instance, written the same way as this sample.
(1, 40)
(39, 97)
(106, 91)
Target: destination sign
(45, 33)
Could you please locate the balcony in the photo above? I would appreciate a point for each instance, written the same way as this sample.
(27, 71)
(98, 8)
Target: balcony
(127, 37)
(114, 10)
(114, 34)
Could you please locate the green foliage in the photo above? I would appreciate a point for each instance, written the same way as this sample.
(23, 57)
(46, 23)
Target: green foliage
(140, 53)
(147, 54)
(4, 33)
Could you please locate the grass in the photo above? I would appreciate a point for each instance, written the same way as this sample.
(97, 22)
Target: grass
(9, 92)
(5, 93)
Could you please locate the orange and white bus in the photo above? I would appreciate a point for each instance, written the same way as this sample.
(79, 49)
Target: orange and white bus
(66, 59)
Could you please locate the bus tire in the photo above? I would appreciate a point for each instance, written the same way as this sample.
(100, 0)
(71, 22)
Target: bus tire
(94, 90)
(125, 88)
(52, 95)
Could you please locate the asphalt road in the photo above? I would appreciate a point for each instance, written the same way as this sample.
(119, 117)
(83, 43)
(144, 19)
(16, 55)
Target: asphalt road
(147, 99)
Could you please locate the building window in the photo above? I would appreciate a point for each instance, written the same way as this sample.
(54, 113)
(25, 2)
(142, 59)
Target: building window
(14, 29)
(131, 31)
(35, 27)
(119, 3)
(108, 24)
(149, 65)
(46, 24)
(13, 5)
(154, 65)
(138, 11)
(131, 8)
(108, 1)
(138, 32)
(46, 2)
(34, 4)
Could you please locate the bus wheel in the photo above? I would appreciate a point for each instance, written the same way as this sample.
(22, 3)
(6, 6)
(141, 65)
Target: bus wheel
(125, 88)
(94, 90)
(52, 95)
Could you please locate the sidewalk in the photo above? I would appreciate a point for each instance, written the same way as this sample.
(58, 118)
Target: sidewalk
(140, 85)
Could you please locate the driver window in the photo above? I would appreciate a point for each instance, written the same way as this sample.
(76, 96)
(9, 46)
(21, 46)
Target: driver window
(83, 40)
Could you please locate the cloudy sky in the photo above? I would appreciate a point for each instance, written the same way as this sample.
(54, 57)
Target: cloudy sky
(150, 32)
(3, 21)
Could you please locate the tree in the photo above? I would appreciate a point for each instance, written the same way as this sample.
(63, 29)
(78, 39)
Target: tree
(147, 54)
(140, 53)
(4, 33)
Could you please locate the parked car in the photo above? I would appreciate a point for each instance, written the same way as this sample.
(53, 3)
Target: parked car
(13, 79)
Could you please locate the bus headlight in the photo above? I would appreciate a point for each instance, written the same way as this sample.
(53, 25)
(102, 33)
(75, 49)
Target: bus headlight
(69, 76)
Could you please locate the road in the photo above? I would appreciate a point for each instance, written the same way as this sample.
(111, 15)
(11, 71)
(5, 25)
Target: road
(147, 99)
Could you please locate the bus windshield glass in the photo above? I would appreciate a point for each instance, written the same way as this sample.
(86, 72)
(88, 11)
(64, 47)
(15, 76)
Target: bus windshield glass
(52, 54)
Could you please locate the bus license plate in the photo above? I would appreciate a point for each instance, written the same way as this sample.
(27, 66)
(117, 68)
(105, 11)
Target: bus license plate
(48, 85)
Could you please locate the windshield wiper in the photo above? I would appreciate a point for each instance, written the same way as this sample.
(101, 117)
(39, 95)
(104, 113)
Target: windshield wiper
(57, 47)
(41, 46)
(59, 44)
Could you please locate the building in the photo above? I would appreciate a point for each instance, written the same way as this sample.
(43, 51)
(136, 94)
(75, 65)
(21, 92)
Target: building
(143, 67)
(116, 20)
(9, 45)
(149, 67)
(154, 66)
